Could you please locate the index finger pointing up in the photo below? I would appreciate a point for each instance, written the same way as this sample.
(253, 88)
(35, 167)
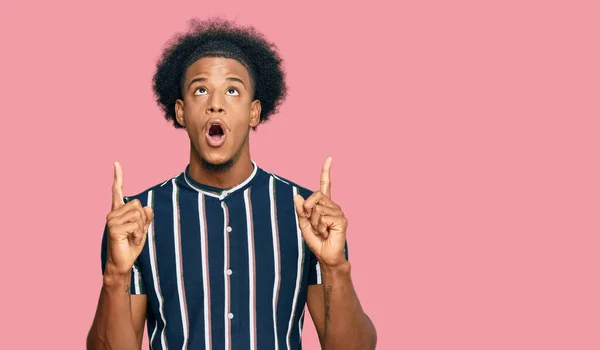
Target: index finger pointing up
(326, 177)
(117, 189)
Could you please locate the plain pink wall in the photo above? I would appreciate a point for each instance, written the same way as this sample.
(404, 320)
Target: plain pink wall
(465, 144)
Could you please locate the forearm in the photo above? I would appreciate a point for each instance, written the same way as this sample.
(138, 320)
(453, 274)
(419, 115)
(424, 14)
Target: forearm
(113, 326)
(346, 324)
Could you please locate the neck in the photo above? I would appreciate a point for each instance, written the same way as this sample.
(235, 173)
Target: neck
(233, 176)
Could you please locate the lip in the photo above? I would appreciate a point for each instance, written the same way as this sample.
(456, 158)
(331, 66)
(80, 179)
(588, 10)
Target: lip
(215, 141)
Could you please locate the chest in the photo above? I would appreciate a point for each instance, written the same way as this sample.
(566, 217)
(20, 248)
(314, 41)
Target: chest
(246, 244)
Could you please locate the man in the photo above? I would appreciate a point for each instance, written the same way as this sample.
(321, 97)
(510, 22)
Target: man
(225, 255)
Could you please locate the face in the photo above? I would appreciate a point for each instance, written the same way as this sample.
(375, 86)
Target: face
(218, 110)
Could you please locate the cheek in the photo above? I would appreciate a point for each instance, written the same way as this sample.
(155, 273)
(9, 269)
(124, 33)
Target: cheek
(239, 115)
(239, 132)
(241, 128)
(192, 116)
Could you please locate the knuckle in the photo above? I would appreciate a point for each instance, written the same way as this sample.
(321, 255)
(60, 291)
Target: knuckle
(111, 220)
(112, 230)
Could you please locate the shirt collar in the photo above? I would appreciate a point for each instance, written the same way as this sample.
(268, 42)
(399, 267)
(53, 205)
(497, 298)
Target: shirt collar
(215, 191)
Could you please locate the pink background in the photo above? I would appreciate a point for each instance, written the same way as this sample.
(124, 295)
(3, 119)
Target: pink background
(465, 144)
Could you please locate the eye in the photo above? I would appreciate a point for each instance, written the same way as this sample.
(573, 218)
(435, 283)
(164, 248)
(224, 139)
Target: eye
(200, 91)
(232, 91)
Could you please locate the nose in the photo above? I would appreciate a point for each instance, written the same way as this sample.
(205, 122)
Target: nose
(215, 104)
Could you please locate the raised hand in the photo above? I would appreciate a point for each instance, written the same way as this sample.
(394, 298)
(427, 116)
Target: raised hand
(127, 228)
(322, 222)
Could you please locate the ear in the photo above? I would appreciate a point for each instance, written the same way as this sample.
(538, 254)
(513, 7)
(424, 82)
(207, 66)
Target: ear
(179, 112)
(255, 110)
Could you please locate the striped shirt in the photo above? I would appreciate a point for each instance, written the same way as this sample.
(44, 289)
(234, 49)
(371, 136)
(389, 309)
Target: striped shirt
(224, 269)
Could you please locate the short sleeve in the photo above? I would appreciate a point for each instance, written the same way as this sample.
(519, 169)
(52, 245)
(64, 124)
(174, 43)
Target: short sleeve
(137, 282)
(314, 273)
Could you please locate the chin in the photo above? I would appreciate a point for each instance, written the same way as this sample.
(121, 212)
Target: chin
(217, 163)
(216, 157)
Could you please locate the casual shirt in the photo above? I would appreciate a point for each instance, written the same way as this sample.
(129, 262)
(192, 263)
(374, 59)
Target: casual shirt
(224, 269)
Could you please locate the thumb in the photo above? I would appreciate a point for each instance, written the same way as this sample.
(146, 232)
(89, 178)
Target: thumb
(310, 236)
(303, 219)
(299, 204)
(149, 217)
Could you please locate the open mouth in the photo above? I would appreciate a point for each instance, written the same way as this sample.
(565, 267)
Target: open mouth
(215, 130)
(216, 134)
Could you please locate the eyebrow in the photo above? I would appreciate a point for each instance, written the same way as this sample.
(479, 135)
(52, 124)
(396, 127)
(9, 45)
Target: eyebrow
(197, 80)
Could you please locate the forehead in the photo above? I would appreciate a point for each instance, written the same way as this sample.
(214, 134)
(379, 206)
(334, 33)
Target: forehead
(217, 67)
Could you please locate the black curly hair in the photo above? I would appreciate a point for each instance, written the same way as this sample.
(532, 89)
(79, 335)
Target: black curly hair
(217, 37)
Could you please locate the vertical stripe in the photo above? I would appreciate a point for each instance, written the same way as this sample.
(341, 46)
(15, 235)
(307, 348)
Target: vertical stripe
(205, 276)
(136, 280)
(226, 263)
(318, 267)
(178, 264)
(251, 269)
(153, 333)
(300, 323)
(298, 272)
(155, 278)
(275, 233)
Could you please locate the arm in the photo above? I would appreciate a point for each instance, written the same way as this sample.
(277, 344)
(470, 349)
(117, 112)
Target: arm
(337, 314)
(334, 305)
(119, 320)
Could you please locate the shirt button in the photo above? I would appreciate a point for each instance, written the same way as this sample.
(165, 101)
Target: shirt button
(229, 228)
(230, 315)
(229, 272)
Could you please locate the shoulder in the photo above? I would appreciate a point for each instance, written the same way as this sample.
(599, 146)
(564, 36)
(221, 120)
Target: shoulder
(145, 196)
(284, 181)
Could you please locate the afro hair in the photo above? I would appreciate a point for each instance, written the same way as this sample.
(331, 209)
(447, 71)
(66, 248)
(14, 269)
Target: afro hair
(220, 38)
